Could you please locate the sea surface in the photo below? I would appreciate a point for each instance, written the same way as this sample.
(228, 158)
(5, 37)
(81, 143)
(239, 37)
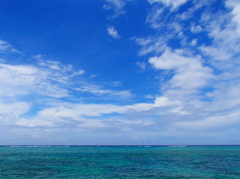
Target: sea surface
(126, 162)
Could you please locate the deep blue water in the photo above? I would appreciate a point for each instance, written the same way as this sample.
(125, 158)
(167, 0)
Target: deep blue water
(119, 162)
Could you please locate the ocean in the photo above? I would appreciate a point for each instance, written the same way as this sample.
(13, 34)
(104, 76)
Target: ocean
(125, 162)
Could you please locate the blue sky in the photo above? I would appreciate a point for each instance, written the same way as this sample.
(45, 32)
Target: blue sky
(161, 72)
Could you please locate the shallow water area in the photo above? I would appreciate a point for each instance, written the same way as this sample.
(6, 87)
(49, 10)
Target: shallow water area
(120, 162)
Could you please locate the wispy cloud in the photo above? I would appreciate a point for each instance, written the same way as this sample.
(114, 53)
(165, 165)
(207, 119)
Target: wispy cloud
(152, 44)
(189, 74)
(235, 6)
(116, 6)
(155, 17)
(218, 121)
(196, 28)
(172, 3)
(141, 65)
(6, 47)
(99, 91)
(65, 113)
(202, 75)
(29, 79)
(113, 32)
(190, 57)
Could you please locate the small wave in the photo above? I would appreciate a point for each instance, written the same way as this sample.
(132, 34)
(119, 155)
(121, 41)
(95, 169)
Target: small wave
(177, 146)
(15, 146)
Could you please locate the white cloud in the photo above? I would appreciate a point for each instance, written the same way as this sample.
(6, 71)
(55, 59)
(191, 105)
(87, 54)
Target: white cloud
(196, 28)
(33, 123)
(152, 44)
(78, 111)
(211, 122)
(113, 32)
(194, 42)
(215, 52)
(16, 108)
(46, 78)
(5, 47)
(203, 73)
(63, 113)
(172, 3)
(116, 6)
(68, 113)
(159, 102)
(235, 5)
(179, 110)
(54, 65)
(224, 31)
(141, 65)
(99, 91)
(199, 89)
(115, 83)
(26, 79)
(155, 18)
(190, 75)
(80, 72)
(10, 111)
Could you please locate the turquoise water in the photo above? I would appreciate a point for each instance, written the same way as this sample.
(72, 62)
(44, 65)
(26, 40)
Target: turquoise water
(119, 162)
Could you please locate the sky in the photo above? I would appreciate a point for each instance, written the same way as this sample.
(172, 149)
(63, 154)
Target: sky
(120, 72)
